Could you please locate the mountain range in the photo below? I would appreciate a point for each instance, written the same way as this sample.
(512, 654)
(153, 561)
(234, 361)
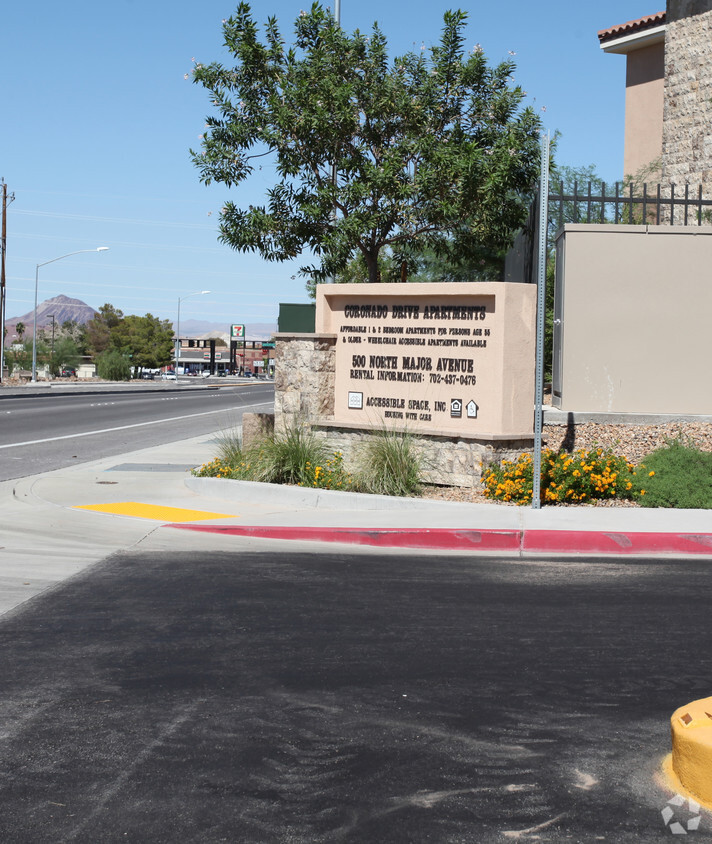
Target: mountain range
(64, 308)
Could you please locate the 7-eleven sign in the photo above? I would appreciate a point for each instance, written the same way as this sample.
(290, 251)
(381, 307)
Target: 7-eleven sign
(237, 332)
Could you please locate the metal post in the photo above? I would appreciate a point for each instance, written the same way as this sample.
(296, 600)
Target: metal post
(34, 320)
(51, 354)
(177, 339)
(177, 348)
(540, 319)
(34, 328)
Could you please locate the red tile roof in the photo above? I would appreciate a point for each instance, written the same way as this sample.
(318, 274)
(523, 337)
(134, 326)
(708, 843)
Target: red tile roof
(631, 27)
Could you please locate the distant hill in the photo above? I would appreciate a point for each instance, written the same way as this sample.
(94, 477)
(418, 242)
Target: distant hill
(63, 308)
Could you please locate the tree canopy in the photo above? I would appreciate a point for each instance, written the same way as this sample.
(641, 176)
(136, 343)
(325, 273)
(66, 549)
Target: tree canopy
(431, 151)
(146, 341)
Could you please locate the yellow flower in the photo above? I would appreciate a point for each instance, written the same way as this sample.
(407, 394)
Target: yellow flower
(650, 474)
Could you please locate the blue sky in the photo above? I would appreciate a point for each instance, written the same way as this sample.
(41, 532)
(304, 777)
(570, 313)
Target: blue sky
(97, 120)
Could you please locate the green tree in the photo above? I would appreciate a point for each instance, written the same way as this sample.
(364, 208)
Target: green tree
(20, 329)
(20, 354)
(147, 340)
(432, 150)
(98, 330)
(111, 365)
(66, 353)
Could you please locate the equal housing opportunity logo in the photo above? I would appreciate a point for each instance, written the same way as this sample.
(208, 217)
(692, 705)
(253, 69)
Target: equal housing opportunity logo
(680, 815)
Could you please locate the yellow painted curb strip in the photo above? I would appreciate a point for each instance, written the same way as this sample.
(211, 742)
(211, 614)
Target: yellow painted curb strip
(691, 727)
(154, 511)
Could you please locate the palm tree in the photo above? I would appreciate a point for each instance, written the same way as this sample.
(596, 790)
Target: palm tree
(20, 329)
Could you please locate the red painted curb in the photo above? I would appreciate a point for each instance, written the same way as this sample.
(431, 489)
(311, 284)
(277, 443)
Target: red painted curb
(444, 539)
(464, 539)
(611, 542)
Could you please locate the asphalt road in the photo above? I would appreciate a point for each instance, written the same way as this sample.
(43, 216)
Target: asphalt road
(44, 431)
(279, 696)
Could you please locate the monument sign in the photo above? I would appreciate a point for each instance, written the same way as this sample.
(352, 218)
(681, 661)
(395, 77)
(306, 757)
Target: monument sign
(439, 359)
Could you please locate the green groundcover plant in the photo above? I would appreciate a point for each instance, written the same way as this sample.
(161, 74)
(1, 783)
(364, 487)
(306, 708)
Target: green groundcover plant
(676, 475)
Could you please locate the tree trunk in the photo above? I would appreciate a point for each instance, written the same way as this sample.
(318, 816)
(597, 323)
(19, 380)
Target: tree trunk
(374, 275)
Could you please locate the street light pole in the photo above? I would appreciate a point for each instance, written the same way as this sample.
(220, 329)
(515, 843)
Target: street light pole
(51, 354)
(34, 322)
(180, 299)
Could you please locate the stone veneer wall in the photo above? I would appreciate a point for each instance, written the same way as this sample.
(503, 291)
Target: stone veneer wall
(687, 139)
(304, 393)
(304, 378)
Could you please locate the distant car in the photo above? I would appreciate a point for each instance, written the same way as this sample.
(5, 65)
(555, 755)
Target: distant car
(168, 376)
(149, 376)
(248, 375)
(67, 372)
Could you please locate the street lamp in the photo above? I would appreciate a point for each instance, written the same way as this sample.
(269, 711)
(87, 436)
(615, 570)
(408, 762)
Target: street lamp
(180, 299)
(51, 354)
(34, 322)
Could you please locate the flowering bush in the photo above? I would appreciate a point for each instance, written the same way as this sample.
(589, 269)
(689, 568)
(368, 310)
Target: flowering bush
(220, 468)
(326, 474)
(565, 478)
(329, 476)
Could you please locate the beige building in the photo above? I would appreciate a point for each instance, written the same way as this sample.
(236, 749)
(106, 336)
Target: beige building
(642, 42)
(668, 91)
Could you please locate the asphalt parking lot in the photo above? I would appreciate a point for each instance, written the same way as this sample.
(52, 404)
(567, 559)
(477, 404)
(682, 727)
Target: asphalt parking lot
(284, 696)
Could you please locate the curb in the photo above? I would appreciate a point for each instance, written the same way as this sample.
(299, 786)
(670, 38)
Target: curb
(463, 539)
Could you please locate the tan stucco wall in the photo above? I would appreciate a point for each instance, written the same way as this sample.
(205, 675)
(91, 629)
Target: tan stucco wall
(645, 89)
(635, 313)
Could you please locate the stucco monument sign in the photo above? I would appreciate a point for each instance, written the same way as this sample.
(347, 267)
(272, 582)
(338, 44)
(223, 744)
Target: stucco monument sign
(438, 359)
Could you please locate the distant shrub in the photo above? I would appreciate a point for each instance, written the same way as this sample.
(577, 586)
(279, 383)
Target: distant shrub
(111, 365)
(676, 475)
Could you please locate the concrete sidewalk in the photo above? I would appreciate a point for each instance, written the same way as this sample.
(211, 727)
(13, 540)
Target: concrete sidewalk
(124, 498)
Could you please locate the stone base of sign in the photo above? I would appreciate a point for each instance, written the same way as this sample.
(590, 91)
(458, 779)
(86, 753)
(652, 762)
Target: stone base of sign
(304, 378)
(255, 427)
(304, 395)
(445, 461)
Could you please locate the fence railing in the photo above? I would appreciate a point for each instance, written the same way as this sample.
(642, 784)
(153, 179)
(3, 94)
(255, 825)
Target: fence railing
(632, 204)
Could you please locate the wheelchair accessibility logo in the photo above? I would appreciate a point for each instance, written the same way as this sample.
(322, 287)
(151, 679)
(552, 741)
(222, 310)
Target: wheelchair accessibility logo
(681, 816)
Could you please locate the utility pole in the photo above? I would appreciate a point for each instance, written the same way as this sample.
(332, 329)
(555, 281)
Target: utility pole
(3, 247)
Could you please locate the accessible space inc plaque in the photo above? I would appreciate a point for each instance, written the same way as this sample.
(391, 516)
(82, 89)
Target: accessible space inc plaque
(448, 359)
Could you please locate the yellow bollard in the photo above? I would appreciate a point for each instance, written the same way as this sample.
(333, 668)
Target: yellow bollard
(691, 727)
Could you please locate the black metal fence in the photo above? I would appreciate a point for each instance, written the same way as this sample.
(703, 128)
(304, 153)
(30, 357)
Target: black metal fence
(626, 204)
(631, 204)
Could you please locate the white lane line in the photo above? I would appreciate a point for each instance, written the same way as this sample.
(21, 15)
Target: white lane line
(134, 425)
